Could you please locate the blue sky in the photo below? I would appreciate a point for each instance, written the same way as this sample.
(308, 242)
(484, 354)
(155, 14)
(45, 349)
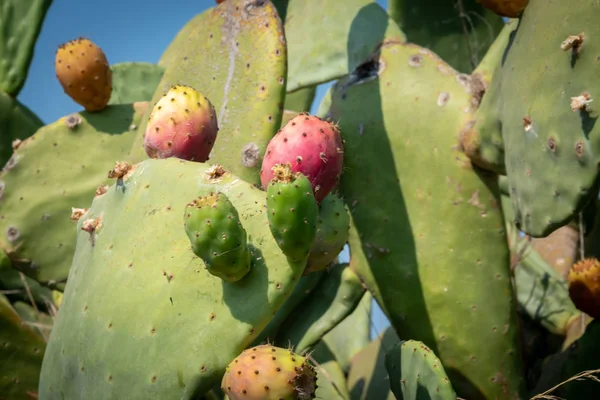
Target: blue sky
(127, 30)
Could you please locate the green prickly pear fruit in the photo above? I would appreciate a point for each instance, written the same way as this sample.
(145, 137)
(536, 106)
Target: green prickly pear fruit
(584, 286)
(266, 372)
(292, 211)
(214, 228)
(84, 73)
(333, 226)
(183, 124)
(505, 8)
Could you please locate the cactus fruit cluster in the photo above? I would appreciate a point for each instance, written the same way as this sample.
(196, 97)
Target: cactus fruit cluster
(197, 231)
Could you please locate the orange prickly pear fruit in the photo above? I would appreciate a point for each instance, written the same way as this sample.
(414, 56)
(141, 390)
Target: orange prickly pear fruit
(84, 73)
(584, 286)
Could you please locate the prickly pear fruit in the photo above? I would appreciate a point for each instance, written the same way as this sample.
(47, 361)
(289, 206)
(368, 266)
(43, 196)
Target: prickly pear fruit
(584, 286)
(313, 147)
(292, 211)
(84, 73)
(505, 8)
(266, 372)
(214, 228)
(183, 124)
(333, 226)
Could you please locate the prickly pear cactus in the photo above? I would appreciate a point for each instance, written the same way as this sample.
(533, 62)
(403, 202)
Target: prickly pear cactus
(416, 373)
(21, 353)
(18, 122)
(235, 54)
(336, 296)
(133, 254)
(58, 168)
(459, 32)
(428, 241)
(548, 112)
(341, 37)
(21, 25)
(134, 81)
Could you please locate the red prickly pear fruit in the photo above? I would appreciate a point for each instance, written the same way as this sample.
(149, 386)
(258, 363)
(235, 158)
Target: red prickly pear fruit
(183, 124)
(266, 372)
(505, 8)
(313, 147)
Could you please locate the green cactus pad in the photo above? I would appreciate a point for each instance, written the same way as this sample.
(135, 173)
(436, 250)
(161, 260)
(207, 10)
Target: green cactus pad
(336, 296)
(333, 225)
(140, 313)
(17, 122)
(217, 236)
(10, 280)
(326, 41)
(301, 292)
(134, 81)
(541, 291)
(459, 34)
(21, 23)
(54, 170)
(436, 236)
(292, 211)
(368, 378)
(416, 373)
(21, 352)
(301, 100)
(548, 131)
(345, 346)
(332, 381)
(234, 54)
(481, 139)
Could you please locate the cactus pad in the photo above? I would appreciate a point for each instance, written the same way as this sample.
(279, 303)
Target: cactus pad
(416, 373)
(58, 168)
(235, 54)
(214, 228)
(21, 352)
(326, 41)
(549, 125)
(336, 296)
(437, 236)
(140, 313)
(21, 23)
(134, 81)
(17, 122)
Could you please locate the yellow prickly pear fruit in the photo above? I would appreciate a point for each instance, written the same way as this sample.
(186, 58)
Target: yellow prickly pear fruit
(505, 8)
(584, 286)
(84, 73)
(266, 372)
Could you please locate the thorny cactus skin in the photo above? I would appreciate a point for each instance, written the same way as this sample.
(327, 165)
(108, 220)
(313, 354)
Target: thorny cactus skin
(183, 124)
(333, 225)
(311, 146)
(416, 373)
(214, 228)
(584, 286)
(83, 71)
(269, 373)
(138, 296)
(292, 211)
(506, 8)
